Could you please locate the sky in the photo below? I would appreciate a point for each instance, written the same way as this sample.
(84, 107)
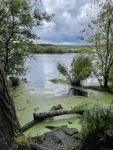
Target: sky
(71, 16)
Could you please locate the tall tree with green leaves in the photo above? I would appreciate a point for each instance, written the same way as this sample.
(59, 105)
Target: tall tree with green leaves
(100, 35)
(17, 19)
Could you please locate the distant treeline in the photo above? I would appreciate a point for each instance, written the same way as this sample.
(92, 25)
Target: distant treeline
(58, 49)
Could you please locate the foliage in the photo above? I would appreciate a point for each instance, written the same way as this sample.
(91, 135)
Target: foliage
(81, 67)
(80, 108)
(100, 35)
(80, 70)
(17, 19)
(14, 81)
(58, 49)
(97, 129)
(63, 69)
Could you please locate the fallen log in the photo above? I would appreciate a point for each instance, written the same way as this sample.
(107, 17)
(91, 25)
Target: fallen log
(54, 111)
(45, 115)
(28, 126)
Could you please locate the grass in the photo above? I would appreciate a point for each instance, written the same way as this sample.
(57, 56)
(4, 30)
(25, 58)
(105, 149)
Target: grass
(58, 49)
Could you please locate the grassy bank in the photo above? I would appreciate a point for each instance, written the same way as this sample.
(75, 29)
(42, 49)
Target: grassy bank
(58, 49)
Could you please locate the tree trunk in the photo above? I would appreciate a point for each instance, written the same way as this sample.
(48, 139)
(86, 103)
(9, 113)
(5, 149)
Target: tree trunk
(106, 77)
(75, 81)
(8, 119)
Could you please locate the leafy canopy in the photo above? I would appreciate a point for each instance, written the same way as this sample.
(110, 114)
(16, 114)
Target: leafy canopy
(100, 36)
(81, 67)
(17, 19)
(80, 70)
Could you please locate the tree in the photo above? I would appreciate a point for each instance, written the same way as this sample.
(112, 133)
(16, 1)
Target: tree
(101, 38)
(17, 19)
(81, 68)
(16, 22)
(8, 119)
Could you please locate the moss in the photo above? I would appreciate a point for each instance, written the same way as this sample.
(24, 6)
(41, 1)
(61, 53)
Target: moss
(24, 97)
(60, 80)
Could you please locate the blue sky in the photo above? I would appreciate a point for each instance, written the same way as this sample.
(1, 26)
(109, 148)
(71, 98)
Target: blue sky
(70, 17)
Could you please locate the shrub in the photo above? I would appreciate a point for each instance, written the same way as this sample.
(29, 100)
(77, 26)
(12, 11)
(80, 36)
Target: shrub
(81, 67)
(14, 81)
(80, 70)
(97, 129)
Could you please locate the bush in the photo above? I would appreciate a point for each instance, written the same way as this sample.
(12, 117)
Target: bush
(81, 67)
(14, 81)
(97, 129)
(80, 70)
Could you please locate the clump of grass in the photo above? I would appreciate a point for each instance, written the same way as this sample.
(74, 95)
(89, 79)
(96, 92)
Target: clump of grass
(97, 129)
(80, 109)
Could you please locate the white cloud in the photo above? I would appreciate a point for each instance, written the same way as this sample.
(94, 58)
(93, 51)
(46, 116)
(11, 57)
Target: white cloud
(70, 17)
(53, 6)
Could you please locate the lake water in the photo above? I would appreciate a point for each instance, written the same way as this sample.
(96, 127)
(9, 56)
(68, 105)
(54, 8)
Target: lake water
(43, 68)
(40, 94)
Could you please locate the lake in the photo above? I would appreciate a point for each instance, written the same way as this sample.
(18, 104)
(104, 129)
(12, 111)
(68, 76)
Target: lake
(43, 68)
(40, 94)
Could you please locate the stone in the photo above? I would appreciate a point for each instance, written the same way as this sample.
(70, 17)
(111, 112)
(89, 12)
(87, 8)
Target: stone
(70, 131)
(61, 138)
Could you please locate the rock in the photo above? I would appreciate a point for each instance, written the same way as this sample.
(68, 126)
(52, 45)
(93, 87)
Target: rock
(60, 139)
(70, 131)
(52, 137)
(36, 147)
(32, 146)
